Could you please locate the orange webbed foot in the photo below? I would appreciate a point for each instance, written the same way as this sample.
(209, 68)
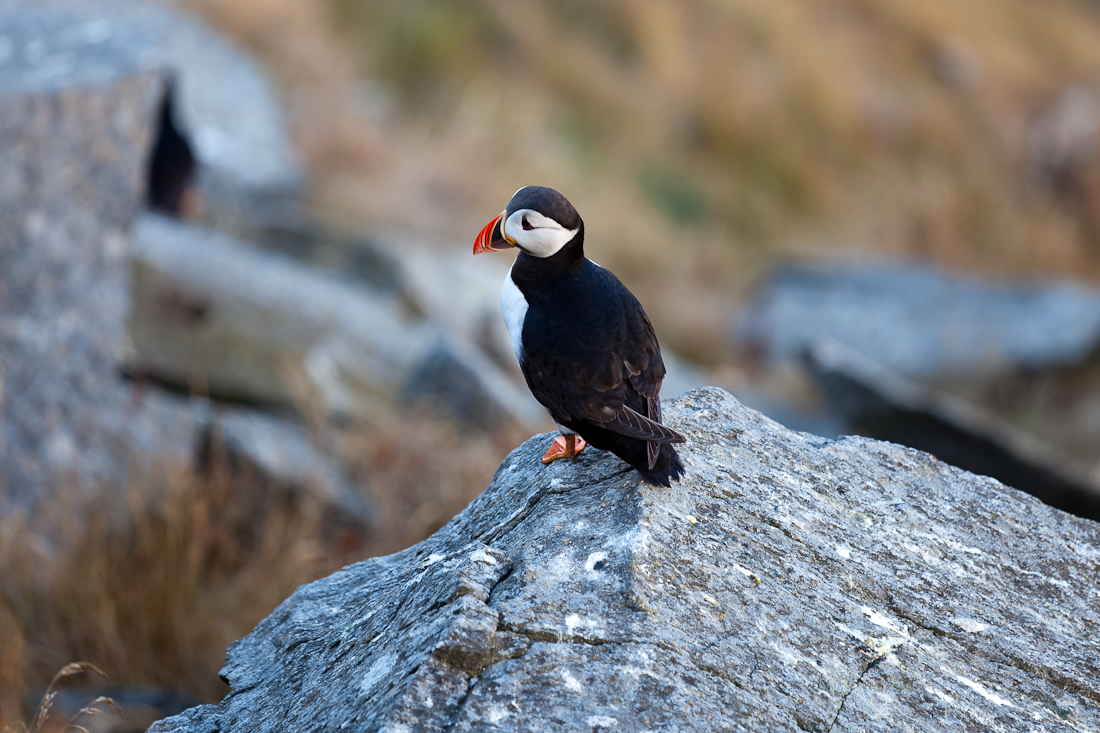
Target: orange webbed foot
(564, 446)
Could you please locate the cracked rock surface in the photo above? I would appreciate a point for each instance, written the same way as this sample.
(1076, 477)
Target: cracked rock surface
(787, 583)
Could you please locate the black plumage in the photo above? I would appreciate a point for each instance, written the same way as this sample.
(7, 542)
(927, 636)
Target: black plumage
(172, 162)
(589, 353)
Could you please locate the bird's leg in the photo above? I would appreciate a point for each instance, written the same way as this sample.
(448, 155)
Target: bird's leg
(564, 446)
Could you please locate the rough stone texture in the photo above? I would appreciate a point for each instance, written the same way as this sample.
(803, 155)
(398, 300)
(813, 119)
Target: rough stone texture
(923, 323)
(76, 120)
(788, 583)
(212, 313)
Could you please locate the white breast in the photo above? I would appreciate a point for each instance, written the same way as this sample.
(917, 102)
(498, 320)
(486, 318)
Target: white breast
(514, 306)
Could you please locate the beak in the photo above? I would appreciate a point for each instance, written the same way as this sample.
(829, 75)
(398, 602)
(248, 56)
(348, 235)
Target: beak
(492, 238)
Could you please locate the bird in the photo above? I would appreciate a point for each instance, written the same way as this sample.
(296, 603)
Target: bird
(172, 189)
(584, 344)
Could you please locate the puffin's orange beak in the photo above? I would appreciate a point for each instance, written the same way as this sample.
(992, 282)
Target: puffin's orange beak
(492, 238)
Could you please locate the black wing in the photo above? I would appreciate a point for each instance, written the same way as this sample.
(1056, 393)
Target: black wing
(596, 359)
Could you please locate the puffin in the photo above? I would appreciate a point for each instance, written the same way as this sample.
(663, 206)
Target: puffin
(583, 341)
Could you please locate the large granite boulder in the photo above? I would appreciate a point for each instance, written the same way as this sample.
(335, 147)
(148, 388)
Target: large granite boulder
(76, 122)
(79, 96)
(789, 582)
(225, 102)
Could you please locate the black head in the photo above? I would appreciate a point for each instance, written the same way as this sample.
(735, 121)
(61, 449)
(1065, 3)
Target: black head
(539, 221)
(547, 202)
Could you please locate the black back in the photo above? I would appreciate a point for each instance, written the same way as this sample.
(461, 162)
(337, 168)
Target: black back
(588, 347)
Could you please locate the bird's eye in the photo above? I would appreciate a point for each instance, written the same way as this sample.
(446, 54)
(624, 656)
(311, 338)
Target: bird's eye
(526, 224)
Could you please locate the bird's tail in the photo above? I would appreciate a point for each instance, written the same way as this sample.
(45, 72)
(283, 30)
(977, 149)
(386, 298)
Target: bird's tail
(666, 468)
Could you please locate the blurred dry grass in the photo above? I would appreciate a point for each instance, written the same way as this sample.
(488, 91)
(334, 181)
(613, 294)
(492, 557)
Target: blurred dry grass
(700, 140)
(151, 585)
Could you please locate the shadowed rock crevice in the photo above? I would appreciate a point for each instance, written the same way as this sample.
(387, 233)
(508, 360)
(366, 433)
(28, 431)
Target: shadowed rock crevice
(786, 583)
(870, 665)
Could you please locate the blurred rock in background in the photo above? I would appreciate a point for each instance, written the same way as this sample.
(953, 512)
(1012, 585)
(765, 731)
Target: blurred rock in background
(81, 96)
(76, 104)
(874, 400)
(941, 363)
(216, 315)
(925, 324)
(224, 102)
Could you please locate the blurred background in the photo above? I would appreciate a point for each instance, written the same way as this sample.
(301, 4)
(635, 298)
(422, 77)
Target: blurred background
(243, 341)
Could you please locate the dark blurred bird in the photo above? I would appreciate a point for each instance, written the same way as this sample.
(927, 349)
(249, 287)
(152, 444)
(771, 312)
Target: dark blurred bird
(172, 164)
(583, 342)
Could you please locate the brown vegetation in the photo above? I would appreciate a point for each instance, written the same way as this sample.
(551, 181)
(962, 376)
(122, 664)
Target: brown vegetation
(700, 140)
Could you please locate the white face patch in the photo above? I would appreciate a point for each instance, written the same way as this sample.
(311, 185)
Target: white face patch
(514, 306)
(542, 237)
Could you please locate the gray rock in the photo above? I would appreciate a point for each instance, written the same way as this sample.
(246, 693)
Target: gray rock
(226, 104)
(787, 583)
(214, 314)
(922, 323)
(76, 122)
(280, 450)
(78, 102)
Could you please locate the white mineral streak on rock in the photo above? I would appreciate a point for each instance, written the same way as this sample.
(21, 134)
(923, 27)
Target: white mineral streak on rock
(601, 721)
(378, 671)
(571, 681)
(882, 646)
(844, 552)
(574, 621)
(939, 693)
(482, 556)
(880, 620)
(498, 713)
(978, 688)
(969, 625)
